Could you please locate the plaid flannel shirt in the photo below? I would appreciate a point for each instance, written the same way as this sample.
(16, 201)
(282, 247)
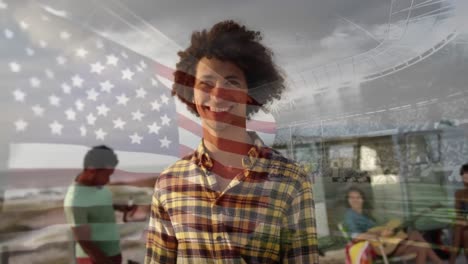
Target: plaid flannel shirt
(265, 215)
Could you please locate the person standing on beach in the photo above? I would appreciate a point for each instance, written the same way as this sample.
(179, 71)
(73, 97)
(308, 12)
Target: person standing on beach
(233, 200)
(90, 211)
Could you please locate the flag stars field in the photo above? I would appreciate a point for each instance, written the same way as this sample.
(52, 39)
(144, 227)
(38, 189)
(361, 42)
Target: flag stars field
(85, 93)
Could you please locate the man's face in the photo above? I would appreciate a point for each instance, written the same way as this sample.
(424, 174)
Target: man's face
(220, 94)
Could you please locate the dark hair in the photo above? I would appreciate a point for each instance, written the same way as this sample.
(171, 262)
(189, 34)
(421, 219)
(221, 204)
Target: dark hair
(100, 157)
(232, 42)
(367, 205)
(463, 169)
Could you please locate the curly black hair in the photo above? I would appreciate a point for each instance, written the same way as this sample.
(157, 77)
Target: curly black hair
(235, 43)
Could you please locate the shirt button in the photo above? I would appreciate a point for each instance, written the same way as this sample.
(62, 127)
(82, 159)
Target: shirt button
(219, 238)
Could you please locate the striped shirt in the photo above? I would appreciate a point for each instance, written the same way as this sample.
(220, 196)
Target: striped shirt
(265, 214)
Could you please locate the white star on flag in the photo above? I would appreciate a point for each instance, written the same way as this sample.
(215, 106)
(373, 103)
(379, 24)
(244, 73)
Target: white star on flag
(19, 95)
(164, 99)
(77, 81)
(66, 88)
(165, 120)
(100, 134)
(112, 60)
(79, 105)
(154, 128)
(56, 128)
(103, 109)
(155, 105)
(15, 67)
(54, 100)
(119, 123)
(24, 25)
(106, 86)
(30, 51)
(127, 74)
(35, 82)
(83, 131)
(154, 82)
(50, 74)
(97, 68)
(122, 99)
(92, 94)
(21, 125)
(43, 44)
(38, 110)
(137, 115)
(8, 34)
(71, 115)
(140, 93)
(81, 53)
(61, 60)
(65, 35)
(91, 119)
(136, 139)
(165, 142)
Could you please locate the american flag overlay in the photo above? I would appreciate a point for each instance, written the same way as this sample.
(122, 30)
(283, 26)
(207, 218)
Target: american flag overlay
(68, 86)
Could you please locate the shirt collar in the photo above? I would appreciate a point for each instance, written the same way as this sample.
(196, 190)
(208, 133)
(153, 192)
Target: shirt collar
(203, 159)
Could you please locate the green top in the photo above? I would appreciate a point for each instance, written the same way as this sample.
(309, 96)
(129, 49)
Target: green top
(93, 206)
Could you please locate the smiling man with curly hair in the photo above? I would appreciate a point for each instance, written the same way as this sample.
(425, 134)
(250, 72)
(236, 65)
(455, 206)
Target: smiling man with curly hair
(233, 200)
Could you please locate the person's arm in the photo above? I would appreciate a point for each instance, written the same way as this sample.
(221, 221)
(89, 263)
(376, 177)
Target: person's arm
(299, 234)
(355, 232)
(161, 243)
